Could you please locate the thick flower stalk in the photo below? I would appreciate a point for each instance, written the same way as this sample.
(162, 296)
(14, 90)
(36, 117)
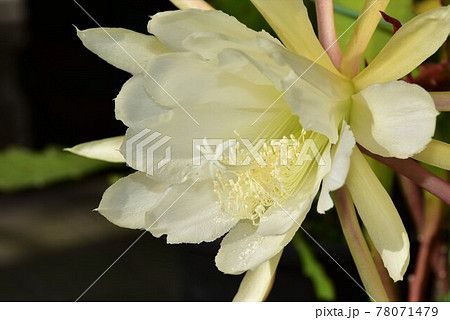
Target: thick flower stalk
(202, 75)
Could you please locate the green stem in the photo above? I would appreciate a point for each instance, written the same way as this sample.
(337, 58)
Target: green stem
(358, 247)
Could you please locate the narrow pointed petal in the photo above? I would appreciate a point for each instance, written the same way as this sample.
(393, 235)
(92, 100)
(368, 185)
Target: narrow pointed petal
(394, 119)
(437, 153)
(408, 48)
(339, 168)
(192, 4)
(256, 284)
(127, 50)
(289, 19)
(104, 149)
(368, 21)
(442, 100)
(379, 215)
(243, 249)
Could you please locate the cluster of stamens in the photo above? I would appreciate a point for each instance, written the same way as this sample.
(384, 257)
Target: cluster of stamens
(247, 192)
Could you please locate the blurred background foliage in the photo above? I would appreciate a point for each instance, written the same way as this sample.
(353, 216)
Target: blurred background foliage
(54, 94)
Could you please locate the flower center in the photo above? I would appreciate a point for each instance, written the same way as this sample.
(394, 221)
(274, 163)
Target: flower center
(279, 170)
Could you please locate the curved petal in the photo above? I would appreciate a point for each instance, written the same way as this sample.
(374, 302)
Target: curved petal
(379, 215)
(127, 201)
(173, 27)
(124, 49)
(339, 168)
(394, 119)
(186, 212)
(257, 284)
(317, 111)
(104, 149)
(365, 27)
(218, 122)
(243, 249)
(411, 45)
(189, 4)
(437, 153)
(289, 19)
(133, 103)
(192, 82)
(192, 218)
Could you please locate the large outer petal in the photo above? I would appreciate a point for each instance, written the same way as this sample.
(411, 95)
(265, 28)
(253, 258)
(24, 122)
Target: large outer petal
(104, 149)
(340, 165)
(219, 39)
(134, 104)
(319, 97)
(379, 216)
(244, 249)
(217, 121)
(289, 19)
(124, 49)
(256, 284)
(394, 119)
(192, 82)
(173, 27)
(185, 212)
(409, 47)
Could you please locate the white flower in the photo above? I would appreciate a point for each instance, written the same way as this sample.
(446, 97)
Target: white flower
(206, 67)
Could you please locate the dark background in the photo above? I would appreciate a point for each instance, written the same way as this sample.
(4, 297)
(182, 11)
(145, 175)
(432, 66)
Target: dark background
(52, 247)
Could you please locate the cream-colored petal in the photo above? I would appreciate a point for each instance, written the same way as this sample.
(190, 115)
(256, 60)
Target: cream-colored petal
(195, 217)
(173, 27)
(256, 284)
(411, 45)
(134, 104)
(437, 153)
(189, 4)
(104, 149)
(192, 82)
(317, 111)
(124, 49)
(186, 212)
(394, 119)
(289, 19)
(217, 121)
(379, 215)
(339, 168)
(369, 18)
(127, 202)
(243, 249)
(278, 220)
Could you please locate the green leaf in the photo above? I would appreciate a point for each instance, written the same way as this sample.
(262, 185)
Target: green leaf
(312, 268)
(21, 168)
(347, 11)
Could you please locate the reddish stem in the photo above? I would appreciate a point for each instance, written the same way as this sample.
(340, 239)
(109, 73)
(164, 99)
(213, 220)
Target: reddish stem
(418, 174)
(414, 200)
(327, 31)
(421, 272)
